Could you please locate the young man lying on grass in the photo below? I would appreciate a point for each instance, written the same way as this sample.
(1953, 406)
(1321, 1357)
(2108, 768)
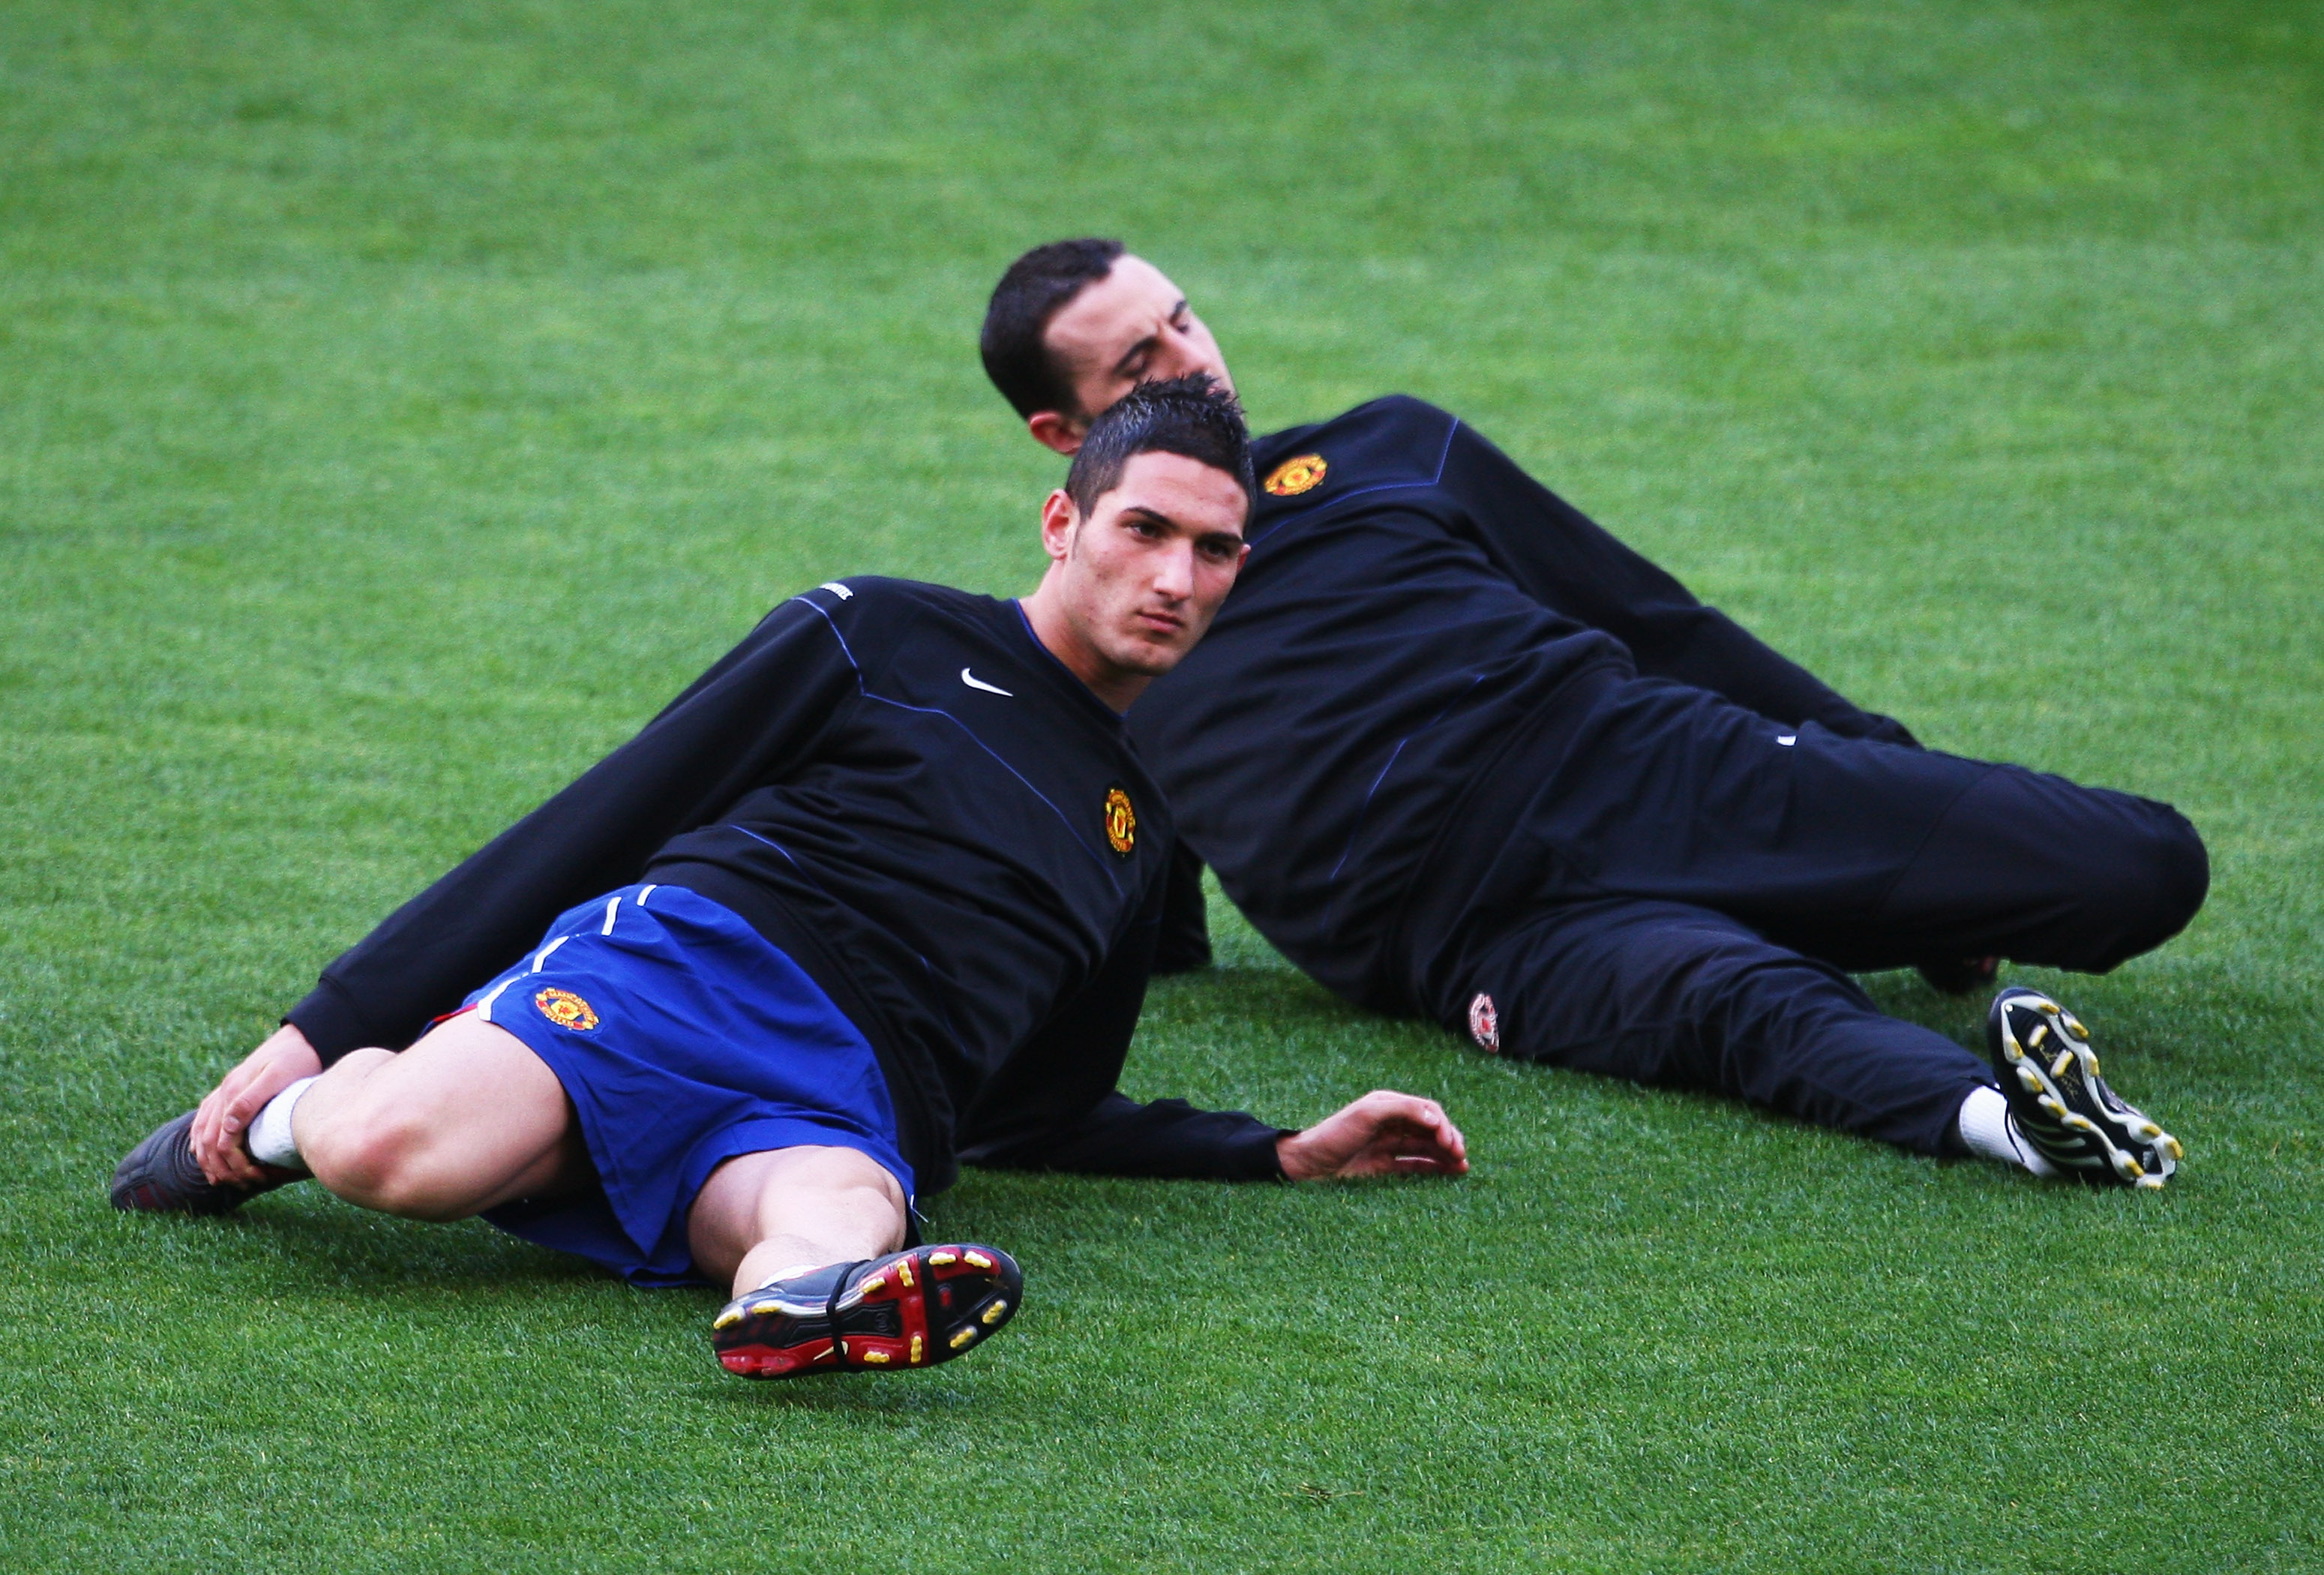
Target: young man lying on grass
(878, 893)
(1461, 754)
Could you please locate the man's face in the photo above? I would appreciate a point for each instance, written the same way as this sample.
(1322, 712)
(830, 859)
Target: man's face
(1139, 578)
(1131, 327)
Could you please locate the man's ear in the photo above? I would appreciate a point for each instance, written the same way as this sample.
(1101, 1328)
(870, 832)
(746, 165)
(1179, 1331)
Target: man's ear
(1058, 519)
(1052, 430)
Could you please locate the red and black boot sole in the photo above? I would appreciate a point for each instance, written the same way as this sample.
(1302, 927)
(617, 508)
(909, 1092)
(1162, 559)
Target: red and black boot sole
(910, 1309)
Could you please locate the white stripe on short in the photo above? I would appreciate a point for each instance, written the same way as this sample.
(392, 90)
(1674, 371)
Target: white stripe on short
(484, 1007)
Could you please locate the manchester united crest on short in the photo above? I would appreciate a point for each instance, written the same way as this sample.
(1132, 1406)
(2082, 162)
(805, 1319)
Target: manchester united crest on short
(1295, 476)
(1121, 821)
(567, 1010)
(1485, 1024)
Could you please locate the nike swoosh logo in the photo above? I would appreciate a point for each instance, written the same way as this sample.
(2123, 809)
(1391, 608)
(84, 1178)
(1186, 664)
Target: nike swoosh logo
(974, 682)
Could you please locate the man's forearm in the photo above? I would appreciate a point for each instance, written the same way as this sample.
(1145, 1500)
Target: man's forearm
(1166, 1140)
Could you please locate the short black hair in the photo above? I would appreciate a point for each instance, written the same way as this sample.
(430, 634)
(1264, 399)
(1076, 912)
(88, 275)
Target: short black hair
(1191, 416)
(1035, 290)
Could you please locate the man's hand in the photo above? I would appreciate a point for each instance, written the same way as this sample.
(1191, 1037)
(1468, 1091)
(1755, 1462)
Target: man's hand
(1382, 1134)
(221, 1119)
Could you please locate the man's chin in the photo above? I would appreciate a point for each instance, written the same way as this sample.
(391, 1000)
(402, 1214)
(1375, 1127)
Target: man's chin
(1150, 656)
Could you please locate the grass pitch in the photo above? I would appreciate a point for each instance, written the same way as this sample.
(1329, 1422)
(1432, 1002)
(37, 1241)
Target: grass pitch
(398, 403)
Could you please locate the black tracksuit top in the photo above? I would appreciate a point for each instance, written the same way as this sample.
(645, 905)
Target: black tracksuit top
(1411, 609)
(901, 788)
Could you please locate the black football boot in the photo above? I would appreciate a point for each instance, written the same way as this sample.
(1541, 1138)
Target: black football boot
(160, 1177)
(910, 1309)
(2050, 1076)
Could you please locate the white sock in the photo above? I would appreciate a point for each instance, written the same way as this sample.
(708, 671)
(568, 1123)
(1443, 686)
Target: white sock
(271, 1142)
(1987, 1127)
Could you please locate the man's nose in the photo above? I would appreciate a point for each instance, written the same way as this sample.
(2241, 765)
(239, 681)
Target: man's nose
(1180, 353)
(1173, 571)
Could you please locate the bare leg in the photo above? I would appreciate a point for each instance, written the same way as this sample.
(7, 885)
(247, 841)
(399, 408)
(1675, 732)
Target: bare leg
(761, 1215)
(467, 1119)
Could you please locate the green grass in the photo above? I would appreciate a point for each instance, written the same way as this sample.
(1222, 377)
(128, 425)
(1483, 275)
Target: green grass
(397, 402)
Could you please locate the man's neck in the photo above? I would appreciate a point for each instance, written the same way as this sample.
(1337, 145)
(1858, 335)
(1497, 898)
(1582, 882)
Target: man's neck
(1064, 639)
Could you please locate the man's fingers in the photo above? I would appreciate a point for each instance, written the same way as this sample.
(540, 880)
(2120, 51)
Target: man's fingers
(221, 1155)
(225, 1113)
(203, 1136)
(222, 1118)
(1417, 1133)
(242, 1107)
(1384, 1133)
(1411, 1143)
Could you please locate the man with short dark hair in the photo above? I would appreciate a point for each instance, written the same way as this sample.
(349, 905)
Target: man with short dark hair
(877, 893)
(1459, 753)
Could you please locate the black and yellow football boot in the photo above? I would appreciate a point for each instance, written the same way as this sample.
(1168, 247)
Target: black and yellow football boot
(910, 1309)
(2062, 1107)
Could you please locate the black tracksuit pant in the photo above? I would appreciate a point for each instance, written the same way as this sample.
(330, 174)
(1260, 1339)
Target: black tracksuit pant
(1686, 886)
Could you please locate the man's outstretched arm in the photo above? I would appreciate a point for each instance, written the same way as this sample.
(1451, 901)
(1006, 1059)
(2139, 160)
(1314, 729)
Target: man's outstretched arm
(1054, 1106)
(1572, 565)
(1384, 1133)
(762, 704)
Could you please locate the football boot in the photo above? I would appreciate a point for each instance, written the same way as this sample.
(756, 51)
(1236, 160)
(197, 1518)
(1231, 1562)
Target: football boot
(161, 1176)
(2062, 1107)
(910, 1309)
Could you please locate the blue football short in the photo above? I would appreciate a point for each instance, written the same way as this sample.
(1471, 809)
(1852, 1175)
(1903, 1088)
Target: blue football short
(683, 1038)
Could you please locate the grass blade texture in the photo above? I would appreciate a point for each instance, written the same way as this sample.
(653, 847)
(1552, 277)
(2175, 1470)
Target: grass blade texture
(398, 403)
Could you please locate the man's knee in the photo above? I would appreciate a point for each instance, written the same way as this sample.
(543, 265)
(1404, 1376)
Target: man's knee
(2167, 875)
(841, 1174)
(377, 1156)
(2080, 878)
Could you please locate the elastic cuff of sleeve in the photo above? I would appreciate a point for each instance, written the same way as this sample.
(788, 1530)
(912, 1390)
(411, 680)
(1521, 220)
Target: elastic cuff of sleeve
(1256, 1158)
(330, 1021)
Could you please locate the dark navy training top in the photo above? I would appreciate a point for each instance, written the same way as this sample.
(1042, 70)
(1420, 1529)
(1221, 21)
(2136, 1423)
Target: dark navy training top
(901, 788)
(1412, 607)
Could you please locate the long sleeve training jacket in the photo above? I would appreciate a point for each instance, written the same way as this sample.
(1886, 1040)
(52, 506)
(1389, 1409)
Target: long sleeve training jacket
(901, 788)
(1413, 606)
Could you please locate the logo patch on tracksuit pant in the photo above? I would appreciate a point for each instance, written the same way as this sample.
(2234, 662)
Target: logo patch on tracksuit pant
(1485, 1024)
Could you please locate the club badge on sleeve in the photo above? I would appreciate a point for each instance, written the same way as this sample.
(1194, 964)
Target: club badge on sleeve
(1121, 821)
(1295, 476)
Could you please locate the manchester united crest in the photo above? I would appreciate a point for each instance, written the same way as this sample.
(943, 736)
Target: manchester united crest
(1121, 821)
(1485, 1024)
(567, 1010)
(1295, 476)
